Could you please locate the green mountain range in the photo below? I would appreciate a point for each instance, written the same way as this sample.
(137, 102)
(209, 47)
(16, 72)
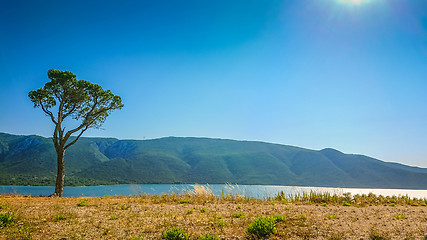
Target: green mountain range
(31, 160)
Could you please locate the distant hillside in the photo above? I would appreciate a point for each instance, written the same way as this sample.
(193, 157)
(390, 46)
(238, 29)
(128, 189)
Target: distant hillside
(31, 160)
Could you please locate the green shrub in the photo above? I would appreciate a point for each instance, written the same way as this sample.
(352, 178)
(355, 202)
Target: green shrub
(6, 219)
(175, 234)
(59, 217)
(392, 204)
(238, 215)
(344, 203)
(184, 201)
(262, 227)
(208, 237)
(190, 211)
(221, 223)
(113, 217)
(333, 216)
(324, 204)
(279, 218)
(401, 216)
(124, 207)
(82, 203)
(203, 210)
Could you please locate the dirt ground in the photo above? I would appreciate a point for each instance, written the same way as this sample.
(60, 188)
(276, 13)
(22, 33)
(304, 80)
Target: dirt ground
(129, 217)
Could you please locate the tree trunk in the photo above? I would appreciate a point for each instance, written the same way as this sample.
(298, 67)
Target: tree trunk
(61, 172)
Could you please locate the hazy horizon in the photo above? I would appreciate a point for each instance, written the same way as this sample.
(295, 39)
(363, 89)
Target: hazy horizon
(343, 74)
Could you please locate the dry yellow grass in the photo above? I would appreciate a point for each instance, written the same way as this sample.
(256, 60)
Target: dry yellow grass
(127, 217)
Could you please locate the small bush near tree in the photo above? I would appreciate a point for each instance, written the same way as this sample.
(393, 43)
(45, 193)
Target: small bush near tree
(175, 234)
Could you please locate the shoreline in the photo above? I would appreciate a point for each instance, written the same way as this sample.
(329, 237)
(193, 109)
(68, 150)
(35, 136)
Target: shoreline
(257, 191)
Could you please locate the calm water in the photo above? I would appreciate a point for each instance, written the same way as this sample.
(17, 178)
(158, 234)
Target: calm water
(257, 191)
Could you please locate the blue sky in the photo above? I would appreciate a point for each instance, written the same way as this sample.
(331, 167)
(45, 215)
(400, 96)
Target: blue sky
(350, 75)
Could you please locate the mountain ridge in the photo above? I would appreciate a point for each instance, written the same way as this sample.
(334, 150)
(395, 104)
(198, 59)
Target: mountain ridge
(31, 160)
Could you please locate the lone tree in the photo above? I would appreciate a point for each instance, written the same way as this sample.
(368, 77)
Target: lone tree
(81, 100)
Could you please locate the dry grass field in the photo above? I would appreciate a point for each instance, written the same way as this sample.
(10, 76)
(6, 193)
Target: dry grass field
(198, 213)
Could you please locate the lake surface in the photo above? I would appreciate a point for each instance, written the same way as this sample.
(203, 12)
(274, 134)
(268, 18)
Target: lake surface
(256, 191)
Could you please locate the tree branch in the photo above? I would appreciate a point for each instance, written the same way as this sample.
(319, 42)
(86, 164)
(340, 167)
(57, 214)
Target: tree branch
(48, 113)
(84, 124)
(69, 112)
(77, 138)
(59, 97)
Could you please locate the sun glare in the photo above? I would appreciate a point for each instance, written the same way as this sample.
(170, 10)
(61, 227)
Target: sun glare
(353, 2)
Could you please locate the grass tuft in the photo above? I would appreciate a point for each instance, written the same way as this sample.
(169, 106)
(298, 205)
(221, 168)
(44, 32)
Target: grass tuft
(4, 206)
(59, 217)
(279, 218)
(82, 203)
(7, 219)
(124, 207)
(139, 237)
(184, 201)
(221, 223)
